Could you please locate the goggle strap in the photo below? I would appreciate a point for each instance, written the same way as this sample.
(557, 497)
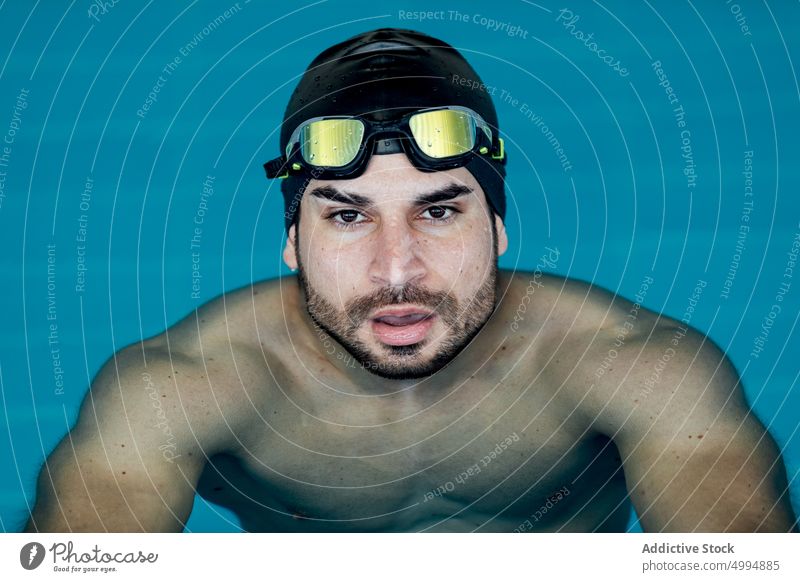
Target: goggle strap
(501, 150)
(277, 168)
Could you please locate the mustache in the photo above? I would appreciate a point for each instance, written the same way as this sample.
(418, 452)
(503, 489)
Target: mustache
(440, 302)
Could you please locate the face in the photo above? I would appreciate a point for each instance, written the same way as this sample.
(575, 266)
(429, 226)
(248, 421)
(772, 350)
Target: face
(398, 265)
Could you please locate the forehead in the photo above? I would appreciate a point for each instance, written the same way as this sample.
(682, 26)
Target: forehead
(393, 177)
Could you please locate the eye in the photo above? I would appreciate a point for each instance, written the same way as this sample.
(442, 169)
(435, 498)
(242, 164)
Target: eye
(346, 218)
(438, 214)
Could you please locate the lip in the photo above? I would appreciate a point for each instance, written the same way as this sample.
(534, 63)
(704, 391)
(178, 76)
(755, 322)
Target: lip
(401, 311)
(402, 335)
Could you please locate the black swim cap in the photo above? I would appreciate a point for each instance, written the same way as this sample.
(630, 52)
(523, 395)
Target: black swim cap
(388, 72)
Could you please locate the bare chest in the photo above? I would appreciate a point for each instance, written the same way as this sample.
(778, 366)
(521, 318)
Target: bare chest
(483, 456)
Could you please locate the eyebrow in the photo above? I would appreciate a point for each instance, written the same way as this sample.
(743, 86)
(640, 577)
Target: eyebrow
(449, 192)
(443, 194)
(335, 195)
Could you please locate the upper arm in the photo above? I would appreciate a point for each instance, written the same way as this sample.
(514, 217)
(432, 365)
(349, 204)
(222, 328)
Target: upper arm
(133, 459)
(695, 456)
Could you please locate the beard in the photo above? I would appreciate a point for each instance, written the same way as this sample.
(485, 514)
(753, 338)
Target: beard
(462, 320)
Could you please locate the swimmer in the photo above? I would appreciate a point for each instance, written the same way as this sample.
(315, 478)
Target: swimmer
(399, 381)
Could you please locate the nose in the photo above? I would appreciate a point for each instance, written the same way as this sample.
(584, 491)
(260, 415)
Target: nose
(396, 261)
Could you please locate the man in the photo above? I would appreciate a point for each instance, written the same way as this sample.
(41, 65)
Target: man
(401, 382)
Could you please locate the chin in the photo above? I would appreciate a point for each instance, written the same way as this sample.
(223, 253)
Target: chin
(403, 371)
(408, 362)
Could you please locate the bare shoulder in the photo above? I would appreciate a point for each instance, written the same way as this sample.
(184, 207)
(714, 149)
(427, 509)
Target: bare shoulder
(622, 363)
(239, 318)
(575, 314)
(219, 353)
(695, 457)
(596, 344)
(156, 411)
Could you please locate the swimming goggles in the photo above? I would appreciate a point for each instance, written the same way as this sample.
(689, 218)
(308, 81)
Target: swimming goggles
(438, 138)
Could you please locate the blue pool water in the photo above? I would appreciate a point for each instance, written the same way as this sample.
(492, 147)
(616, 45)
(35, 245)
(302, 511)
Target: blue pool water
(628, 152)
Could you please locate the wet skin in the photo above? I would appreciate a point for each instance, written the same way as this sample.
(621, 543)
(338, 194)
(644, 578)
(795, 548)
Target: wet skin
(517, 420)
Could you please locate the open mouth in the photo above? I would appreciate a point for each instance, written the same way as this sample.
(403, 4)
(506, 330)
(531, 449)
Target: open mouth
(402, 327)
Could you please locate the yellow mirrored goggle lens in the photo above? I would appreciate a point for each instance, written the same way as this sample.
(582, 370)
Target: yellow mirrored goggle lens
(331, 142)
(443, 133)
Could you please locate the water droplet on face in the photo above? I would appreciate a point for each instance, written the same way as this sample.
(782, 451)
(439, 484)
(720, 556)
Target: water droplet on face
(316, 78)
(430, 143)
(334, 148)
(316, 141)
(329, 87)
(438, 130)
(312, 156)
